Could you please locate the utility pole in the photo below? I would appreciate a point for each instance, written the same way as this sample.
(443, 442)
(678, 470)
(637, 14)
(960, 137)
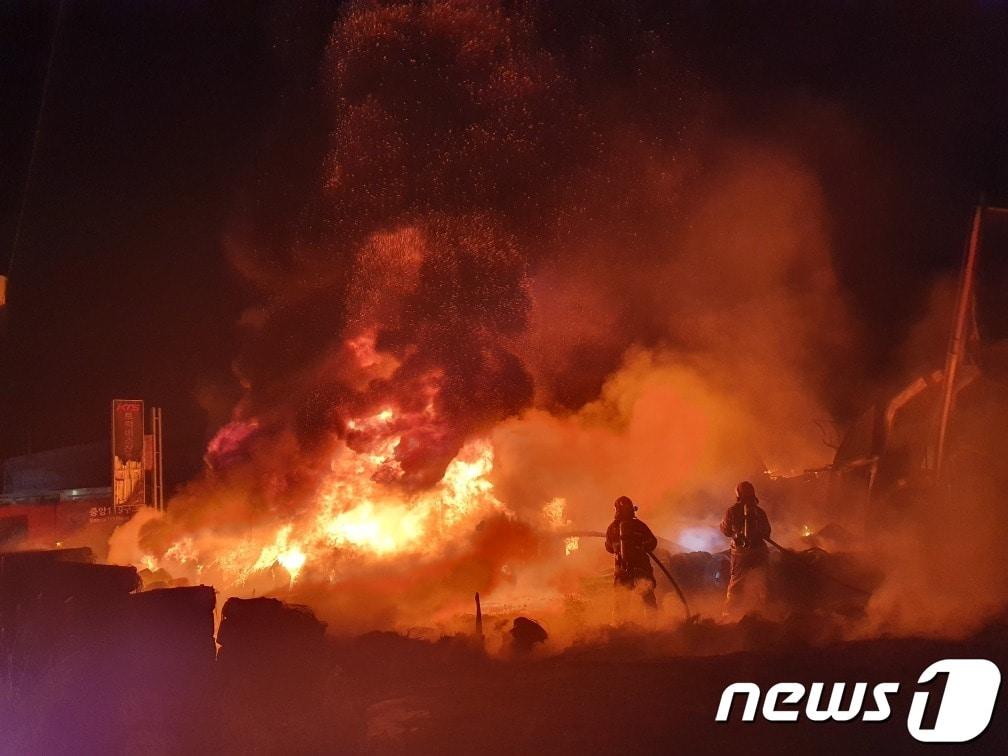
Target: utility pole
(957, 342)
(33, 155)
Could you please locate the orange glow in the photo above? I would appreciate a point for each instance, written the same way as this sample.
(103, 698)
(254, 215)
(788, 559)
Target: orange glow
(555, 514)
(350, 514)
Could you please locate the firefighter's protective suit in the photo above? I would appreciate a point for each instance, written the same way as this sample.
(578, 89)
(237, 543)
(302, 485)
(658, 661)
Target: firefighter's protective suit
(748, 527)
(630, 540)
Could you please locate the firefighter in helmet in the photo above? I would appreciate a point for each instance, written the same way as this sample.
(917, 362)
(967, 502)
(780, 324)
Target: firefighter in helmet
(748, 527)
(630, 540)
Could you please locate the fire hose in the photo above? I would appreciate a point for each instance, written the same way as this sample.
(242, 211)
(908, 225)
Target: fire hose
(682, 596)
(797, 555)
(621, 557)
(783, 549)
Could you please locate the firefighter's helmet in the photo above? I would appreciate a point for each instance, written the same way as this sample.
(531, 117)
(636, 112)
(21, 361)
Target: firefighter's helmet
(624, 506)
(745, 491)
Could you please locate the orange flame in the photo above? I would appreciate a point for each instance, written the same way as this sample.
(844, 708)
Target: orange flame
(351, 513)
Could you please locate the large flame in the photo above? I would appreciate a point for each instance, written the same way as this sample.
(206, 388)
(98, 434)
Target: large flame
(352, 516)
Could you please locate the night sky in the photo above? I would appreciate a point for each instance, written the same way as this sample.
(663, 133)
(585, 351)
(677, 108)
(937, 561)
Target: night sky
(166, 122)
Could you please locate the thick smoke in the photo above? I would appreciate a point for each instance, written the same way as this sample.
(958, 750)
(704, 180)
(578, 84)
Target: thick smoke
(577, 250)
(440, 161)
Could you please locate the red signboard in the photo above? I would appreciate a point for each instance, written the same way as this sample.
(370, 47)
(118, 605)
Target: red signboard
(127, 455)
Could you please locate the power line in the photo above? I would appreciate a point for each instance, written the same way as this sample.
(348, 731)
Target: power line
(19, 225)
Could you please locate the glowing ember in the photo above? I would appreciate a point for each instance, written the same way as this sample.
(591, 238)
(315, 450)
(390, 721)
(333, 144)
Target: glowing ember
(555, 514)
(571, 545)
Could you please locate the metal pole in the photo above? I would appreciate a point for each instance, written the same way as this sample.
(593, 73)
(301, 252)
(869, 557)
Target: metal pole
(159, 460)
(112, 454)
(957, 343)
(154, 459)
(150, 456)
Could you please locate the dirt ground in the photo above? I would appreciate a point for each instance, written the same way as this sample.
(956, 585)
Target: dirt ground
(632, 691)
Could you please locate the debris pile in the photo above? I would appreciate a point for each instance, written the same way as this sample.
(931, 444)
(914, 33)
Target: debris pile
(526, 634)
(274, 673)
(81, 641)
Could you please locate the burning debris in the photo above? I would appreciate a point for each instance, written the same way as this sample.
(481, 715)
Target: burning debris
(526, 258)
(504, 303)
